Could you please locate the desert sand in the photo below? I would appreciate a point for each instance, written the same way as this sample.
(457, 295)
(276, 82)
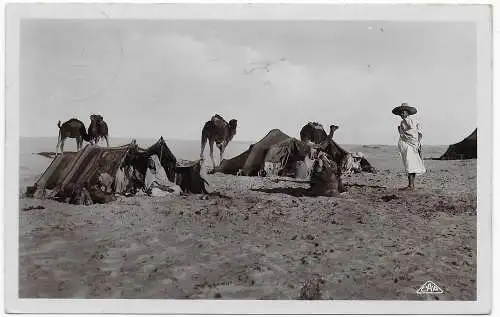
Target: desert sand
(255, 240)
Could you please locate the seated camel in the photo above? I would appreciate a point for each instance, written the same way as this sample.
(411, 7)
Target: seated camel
(314, 132)
(325, 178)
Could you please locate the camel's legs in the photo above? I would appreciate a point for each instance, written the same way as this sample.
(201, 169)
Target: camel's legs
(62, 146)
(221, 150)
(204, 139)
(79, 141)
(58, 144)
(211, 144)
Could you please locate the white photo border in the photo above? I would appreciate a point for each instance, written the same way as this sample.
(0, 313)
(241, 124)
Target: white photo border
(481, 15)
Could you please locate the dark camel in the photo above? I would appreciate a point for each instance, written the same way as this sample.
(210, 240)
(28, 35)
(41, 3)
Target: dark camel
(315, 133)
(73, 128)
(219, 131)
(98, 129)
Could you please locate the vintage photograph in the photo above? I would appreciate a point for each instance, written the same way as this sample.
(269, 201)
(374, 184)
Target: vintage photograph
(248, 159)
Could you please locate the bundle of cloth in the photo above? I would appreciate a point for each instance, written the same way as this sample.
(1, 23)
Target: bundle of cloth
(156, 182)
(352, 163)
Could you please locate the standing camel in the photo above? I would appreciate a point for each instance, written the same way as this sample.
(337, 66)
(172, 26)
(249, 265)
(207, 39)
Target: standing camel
(98, 129)
(73, 128)
(219, 131)
(315, 133)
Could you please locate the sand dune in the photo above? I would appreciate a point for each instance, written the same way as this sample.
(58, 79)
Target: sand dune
(372, 242)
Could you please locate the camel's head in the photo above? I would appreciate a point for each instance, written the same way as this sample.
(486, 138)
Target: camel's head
(333, 128)
(96, 117)
(232, 125)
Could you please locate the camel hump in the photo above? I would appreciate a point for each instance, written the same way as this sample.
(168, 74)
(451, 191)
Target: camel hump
(218, 121)
(318, 126)
(315, 125)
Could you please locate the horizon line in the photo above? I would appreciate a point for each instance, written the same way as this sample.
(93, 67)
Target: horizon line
(233, 141)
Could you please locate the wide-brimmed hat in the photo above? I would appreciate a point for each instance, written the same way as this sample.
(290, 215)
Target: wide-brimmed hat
(404, 106)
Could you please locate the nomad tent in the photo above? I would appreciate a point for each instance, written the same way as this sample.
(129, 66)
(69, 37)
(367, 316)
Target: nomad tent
(276, 149)
(95, 173)
(464, 150)
(282, 155)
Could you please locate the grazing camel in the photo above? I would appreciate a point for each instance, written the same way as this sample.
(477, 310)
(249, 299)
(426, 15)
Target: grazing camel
(73, 128)
(315, 133)
(98, 129)
(219, 131)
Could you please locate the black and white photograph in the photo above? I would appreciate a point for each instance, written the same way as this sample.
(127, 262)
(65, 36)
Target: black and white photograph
(244, 156)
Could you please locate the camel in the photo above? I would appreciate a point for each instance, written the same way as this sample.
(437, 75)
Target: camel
(325, 177)
(98, 129)
(315, 133)
(219, 131)
(73, 128)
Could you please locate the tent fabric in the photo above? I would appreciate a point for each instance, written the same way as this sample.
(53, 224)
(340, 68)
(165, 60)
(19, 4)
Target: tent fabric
(234, 165)
(156, 181)
(280, 154)
(255, 160)
(100, 170)
(281, 159)
(82, 167)
(187, 176)
(57, 170)
(251, 162)
(464, 150)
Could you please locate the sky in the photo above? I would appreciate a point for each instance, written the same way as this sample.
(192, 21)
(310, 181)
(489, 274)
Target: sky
(151, 78)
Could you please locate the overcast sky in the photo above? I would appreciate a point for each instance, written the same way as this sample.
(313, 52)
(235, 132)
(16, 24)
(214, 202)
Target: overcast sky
(152, 78)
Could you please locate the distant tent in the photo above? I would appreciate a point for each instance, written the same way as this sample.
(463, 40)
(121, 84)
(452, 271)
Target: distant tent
(464, 150)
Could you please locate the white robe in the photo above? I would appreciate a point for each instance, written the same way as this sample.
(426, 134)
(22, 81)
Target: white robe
(157, 181)
(409, 146)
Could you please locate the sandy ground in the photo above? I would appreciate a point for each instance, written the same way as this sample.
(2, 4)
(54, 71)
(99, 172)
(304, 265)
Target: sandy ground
(259, 242)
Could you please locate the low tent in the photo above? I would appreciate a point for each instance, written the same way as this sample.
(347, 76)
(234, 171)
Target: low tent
(279, 154)
(464, 150)
(251, 162)
(233, 166)
(95, 173)
(256, 158)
